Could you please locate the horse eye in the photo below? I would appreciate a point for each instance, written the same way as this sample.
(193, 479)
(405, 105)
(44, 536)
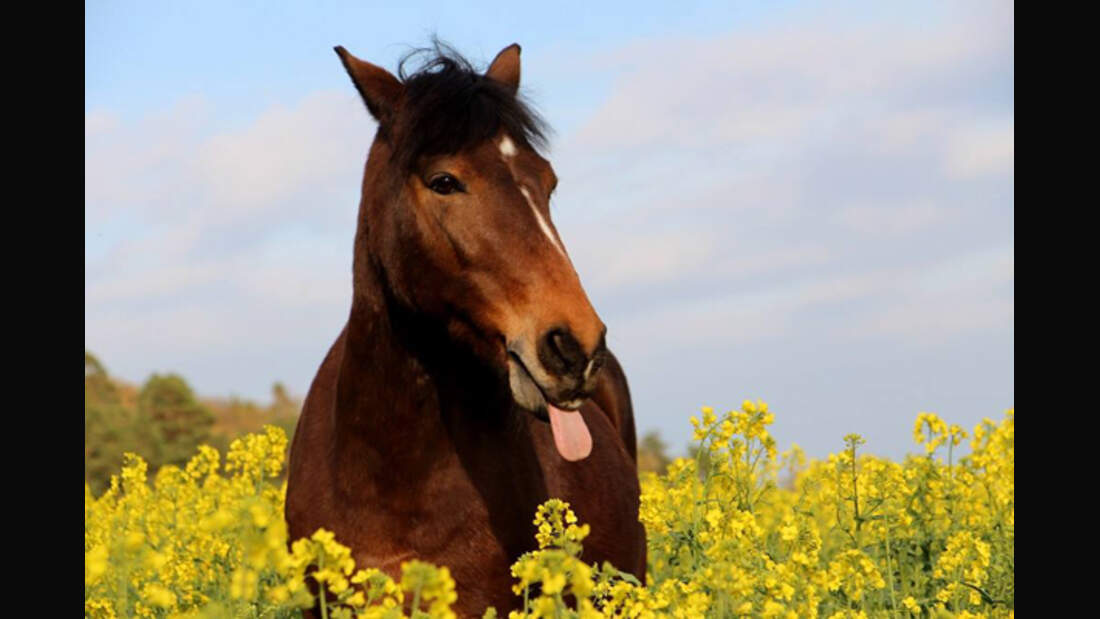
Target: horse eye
(444, 184)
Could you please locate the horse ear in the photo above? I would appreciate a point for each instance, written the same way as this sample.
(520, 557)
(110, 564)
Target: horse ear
(505, 67)
(379, 88)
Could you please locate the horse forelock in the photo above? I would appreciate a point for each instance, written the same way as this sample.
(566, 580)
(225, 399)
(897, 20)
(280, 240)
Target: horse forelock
(449, 106)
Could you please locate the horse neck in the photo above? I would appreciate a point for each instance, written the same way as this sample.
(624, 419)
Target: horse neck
(382, 409)
(405, 393)
(377, 388)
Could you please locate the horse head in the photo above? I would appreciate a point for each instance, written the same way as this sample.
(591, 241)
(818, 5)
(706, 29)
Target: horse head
(455, 220)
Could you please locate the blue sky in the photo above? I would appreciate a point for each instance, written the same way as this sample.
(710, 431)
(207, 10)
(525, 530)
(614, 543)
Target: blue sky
(807, 203)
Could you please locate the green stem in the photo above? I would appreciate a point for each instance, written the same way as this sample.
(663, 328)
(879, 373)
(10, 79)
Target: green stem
(321, 588)
(890, 572)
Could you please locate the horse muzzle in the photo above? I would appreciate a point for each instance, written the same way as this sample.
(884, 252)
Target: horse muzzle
(559, 372)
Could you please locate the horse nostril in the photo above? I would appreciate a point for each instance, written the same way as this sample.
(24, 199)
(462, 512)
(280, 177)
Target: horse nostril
(561, 354)
(596, 362)
(560, 344)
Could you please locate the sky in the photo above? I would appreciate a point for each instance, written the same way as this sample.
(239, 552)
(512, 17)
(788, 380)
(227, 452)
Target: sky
(806, 203)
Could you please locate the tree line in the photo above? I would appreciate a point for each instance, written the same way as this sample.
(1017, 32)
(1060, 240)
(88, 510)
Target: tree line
(164, 422)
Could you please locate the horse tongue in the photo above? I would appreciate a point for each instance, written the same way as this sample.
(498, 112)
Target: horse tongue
(571, 435)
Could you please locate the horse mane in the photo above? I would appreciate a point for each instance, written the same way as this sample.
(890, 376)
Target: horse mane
(450, 106)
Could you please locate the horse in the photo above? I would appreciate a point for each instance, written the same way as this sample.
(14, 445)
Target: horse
(472, 380)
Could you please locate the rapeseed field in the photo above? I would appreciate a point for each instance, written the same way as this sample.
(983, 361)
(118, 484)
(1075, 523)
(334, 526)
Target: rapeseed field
(736, 530)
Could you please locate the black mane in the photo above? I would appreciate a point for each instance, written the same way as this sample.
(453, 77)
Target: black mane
(449, 106)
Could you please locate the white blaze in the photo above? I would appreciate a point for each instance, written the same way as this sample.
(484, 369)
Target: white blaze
(542, 222)
(508, 151)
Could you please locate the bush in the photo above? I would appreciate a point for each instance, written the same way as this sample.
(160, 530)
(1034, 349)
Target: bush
(178, 421)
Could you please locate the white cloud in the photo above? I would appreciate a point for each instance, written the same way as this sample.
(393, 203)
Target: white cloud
(986, 150)
(893, 219)
(98, 122)
(179, 166)
(284, 153)
(650, 258)
(913, 306)
(782, 83)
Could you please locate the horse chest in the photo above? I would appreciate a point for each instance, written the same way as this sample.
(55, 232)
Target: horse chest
(604, 492)
(477, 523)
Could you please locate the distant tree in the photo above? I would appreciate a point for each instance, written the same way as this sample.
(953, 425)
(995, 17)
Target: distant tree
(110, 427)
(97, 385)
(651, 453)
(179, 422)
(284, 409)
(702, 463)
(282, 405)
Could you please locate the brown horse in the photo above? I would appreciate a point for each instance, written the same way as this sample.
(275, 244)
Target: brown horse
(472, 381)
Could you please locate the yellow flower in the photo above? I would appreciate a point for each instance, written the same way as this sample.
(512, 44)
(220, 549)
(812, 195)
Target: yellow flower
(158, 596)
(788, 533)
(95, 564)
(911, 605)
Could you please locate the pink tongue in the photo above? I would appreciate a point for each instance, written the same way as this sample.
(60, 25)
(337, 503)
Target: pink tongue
(571, 435)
